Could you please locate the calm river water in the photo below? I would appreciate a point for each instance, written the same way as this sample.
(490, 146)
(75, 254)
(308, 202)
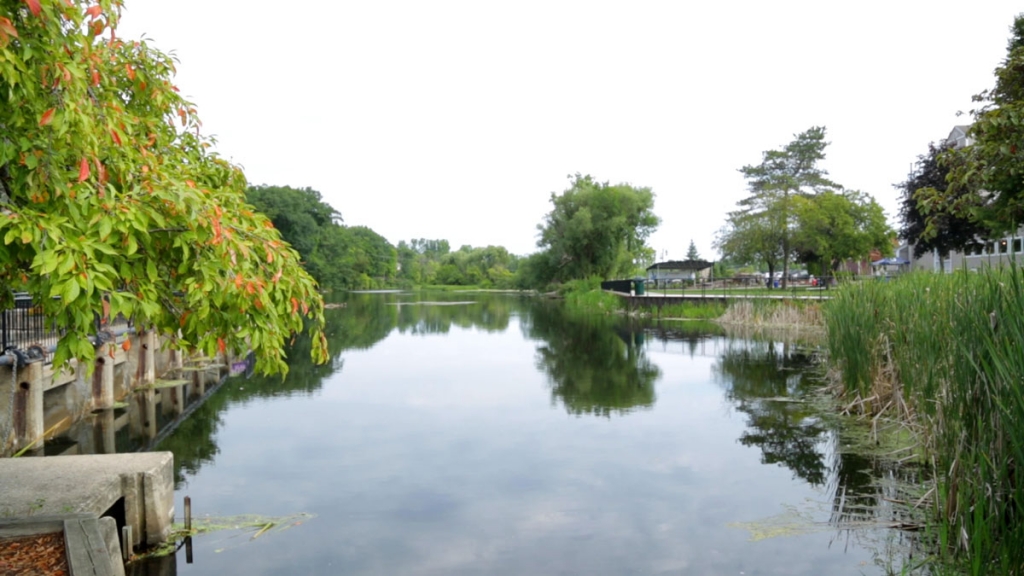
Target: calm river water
(495, 434)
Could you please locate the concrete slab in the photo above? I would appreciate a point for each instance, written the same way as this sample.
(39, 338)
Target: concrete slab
(90, 486)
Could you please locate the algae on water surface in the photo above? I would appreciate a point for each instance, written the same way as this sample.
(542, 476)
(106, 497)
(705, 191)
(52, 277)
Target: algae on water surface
(233, 527)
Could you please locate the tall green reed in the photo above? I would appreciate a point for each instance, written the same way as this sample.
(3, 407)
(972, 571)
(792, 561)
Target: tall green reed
(946, 353)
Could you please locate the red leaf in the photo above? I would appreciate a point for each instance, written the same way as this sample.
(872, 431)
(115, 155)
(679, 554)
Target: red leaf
(115, 136)
(7, 28)
(83, 170)
(47, 117)
(94, 11)
(277, 276)
(95, 77)
(126, 345)
(34, 7)
(238, 280)
(220, 345)
(295, 305)
(131, 71)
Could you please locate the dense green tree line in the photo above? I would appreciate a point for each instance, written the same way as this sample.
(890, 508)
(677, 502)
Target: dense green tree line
(339, 257)
(425, 262)
(343, 257)
(593, 229)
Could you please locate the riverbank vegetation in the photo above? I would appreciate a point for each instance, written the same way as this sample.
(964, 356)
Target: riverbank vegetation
(942, 353)
(774, 313)
(343, 257)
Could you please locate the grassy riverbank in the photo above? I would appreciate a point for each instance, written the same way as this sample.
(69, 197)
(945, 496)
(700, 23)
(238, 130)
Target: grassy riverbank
(943, 353)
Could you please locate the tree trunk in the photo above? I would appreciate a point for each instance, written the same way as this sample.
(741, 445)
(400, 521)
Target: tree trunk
(785, 239)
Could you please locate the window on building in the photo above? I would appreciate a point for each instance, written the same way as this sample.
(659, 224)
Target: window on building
(1002, 245)
(1016, 245)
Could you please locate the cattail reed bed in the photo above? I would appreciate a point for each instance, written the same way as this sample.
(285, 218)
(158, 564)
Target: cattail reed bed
(945, 355)
(773, 313)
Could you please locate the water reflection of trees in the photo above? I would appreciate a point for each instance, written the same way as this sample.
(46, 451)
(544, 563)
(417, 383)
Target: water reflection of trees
(488, 313)
(593, 366)
(767, 381)
(365, 320)
(774, 384)
(693, 335)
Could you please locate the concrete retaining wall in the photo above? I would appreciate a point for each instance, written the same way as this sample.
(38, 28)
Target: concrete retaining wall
(35, 399)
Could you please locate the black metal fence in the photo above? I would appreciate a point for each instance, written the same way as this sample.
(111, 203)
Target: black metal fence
(798, 286)
(24, 328)
(748, 284)
(617, 285)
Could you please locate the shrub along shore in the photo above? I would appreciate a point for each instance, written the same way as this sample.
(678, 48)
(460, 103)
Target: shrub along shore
(944, 353)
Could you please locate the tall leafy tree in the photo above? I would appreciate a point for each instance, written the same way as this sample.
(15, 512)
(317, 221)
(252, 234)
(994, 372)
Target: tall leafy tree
(949, 230)
(781, 175)
(984, 181)
(832, 227)
(753, 237)
(597, 229)
(111, 199)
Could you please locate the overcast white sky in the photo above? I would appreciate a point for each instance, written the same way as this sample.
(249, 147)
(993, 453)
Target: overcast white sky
(457, 120)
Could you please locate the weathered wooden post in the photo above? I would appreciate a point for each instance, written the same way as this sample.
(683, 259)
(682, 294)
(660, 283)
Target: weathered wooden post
(146, 373)
(28, 406)
(103, 441)
(103, 381)
(170, 400)
(147, 401)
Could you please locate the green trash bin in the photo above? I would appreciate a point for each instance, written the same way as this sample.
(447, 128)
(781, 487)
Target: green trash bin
(638, 286)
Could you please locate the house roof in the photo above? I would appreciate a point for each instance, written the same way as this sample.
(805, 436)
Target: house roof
(681, 265)
(958, 136)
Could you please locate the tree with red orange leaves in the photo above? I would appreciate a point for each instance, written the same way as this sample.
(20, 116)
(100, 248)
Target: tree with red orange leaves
(109, 190)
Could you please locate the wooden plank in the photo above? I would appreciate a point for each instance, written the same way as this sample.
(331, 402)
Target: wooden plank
(86, 548)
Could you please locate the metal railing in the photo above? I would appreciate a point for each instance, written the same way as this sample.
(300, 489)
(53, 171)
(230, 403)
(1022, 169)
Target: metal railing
(750, 285)
(24, 329)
